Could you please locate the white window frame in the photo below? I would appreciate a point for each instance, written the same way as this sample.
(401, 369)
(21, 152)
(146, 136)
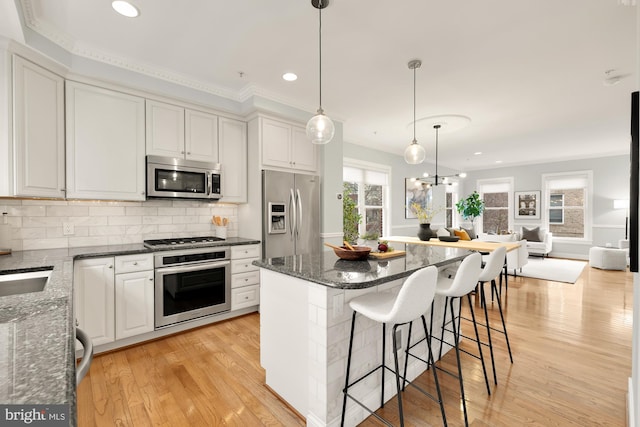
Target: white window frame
(588, 203)
(386, 193)
(508, 180)
(560, 208)
(454, 189)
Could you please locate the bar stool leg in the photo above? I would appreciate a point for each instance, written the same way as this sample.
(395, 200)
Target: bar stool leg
(504, 327)
(435, 374)
(456, 338)
(444, 323)
(406, 357)
(346, 381)
(397, 372)
(475, 328)
(486, 317)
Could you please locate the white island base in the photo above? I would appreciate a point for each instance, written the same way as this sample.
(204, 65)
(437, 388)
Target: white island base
(304, 336)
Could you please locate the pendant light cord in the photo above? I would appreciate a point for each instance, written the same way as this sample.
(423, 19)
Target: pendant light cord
(437, 128)
(414, 104)
(320, 51)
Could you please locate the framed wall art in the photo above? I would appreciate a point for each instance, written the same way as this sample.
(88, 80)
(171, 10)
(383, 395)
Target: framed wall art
(528, 205)
(416, 192)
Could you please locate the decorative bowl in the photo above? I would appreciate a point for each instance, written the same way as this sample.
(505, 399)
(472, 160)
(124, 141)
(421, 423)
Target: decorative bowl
(448, 238)
(358, 252)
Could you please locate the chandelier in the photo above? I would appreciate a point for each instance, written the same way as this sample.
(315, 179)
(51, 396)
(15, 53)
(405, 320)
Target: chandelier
(434, 180)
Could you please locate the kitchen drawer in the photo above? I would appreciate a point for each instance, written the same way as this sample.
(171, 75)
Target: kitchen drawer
(245, 279)
(132, 263)
(245, 297)
(243, 265)
(245, 251)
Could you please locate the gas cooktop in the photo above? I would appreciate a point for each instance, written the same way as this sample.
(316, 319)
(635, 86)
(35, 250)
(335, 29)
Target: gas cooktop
(179, 242)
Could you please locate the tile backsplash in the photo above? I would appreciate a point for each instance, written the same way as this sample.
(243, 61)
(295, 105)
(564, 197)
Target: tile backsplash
(39, 224)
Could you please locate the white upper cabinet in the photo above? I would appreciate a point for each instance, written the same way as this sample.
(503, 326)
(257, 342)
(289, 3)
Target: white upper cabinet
(105, 143)
(165, 129)
(233, 160)
(286, 146)
(201, 136)
(174, 131)
(38, 130)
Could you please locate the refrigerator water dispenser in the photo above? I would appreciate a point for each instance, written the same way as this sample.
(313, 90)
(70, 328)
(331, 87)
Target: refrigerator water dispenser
(277, 218)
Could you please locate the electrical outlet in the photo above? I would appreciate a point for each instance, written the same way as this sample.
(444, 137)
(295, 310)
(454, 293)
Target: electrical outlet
(68, 228)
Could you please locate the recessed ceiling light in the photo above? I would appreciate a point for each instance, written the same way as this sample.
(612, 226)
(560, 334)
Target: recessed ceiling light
(290, 77)
(125, 8)
(498, 161)
(477, 153)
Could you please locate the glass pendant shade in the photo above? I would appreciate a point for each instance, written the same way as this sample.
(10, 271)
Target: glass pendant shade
(414, 154)
(320, 129)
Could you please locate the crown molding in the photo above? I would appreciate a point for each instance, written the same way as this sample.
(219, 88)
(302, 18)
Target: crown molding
(84, 50)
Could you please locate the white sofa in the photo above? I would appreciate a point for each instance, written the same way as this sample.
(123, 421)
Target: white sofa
(540, 248)
(516, 259)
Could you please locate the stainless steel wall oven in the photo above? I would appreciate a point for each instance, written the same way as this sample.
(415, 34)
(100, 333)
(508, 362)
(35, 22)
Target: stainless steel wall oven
(191, 283)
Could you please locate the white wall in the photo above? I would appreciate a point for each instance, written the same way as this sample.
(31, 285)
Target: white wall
(610, 181)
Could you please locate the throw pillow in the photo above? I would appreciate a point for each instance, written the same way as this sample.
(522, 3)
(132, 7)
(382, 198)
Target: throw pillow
(462, 234)
(532, 235)
(471, 232)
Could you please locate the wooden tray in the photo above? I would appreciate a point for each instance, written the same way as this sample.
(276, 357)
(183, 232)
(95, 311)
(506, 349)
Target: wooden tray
(385, 255)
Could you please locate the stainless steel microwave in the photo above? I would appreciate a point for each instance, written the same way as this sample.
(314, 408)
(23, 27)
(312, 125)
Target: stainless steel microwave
(173, 178)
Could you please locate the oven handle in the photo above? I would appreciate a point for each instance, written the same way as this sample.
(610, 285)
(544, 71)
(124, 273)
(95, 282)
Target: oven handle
(191, 267)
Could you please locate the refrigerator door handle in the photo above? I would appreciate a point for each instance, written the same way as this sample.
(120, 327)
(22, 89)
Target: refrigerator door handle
(293, 219)
(299, 199)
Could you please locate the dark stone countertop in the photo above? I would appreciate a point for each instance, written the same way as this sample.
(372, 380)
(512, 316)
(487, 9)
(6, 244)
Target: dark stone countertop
(327, 269)
(37, 333)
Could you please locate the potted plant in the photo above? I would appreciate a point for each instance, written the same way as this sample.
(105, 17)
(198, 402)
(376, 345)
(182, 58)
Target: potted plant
(350, 216)
(425, 216)
(471, 207)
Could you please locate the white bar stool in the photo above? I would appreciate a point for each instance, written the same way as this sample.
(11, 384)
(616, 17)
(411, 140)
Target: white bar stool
(491, 270)
(412, 301)
(464, 281)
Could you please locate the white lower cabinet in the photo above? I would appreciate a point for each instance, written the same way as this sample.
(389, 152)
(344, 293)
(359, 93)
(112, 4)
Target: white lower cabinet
(245, 277)
(114, 296)
(134, 303)
(93, 281)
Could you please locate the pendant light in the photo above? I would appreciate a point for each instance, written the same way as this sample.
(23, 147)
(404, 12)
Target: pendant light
(320, 128)
(414, 154)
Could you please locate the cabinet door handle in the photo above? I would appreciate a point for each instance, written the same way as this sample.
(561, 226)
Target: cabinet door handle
(151, 279)
(111, 266)
(135, 263)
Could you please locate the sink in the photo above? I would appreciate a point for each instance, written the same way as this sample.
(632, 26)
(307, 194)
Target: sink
(22, 283)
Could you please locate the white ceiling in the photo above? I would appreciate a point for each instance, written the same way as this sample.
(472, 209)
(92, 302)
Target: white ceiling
(528, 73)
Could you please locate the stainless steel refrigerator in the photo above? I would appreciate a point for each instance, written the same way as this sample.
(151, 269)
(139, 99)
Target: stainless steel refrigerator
(290, 214)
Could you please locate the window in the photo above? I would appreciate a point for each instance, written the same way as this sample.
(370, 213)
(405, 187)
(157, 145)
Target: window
(567, 196)
(451, 198)
(556, 209)
(369, 188)
(497, 196)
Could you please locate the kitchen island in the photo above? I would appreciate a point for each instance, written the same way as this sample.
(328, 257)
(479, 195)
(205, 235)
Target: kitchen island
(305, 321)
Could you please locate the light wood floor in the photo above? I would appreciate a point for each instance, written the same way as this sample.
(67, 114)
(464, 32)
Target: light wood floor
(572, 359)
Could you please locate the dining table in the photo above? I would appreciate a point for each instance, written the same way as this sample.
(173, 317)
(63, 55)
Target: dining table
(484, 247)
